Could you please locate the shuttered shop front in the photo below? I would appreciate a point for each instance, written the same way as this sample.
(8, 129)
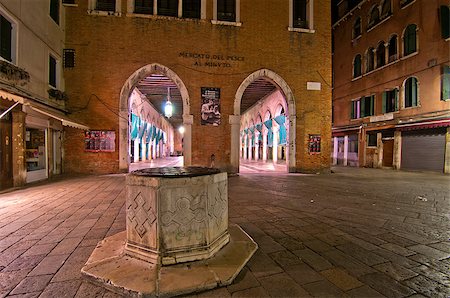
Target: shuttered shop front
(423, 149)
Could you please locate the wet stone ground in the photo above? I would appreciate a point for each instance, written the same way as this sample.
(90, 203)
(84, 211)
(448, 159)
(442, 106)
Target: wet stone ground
(353, 233)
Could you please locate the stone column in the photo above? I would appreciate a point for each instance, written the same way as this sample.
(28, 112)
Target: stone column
(379, 161)
(124, 158)
(235, 122)
(144, 149)
(257, 145)
(264, 153)
(447, 152)
(335, 150)
(275, 144)
(154, 149)
(249, 146)
(18, 148)
(187, 139)
(345, 150)
(136, 150)
(245, 147)
(397, 162)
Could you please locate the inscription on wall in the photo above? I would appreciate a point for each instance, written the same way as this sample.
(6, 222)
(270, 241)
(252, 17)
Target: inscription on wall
(211, 60)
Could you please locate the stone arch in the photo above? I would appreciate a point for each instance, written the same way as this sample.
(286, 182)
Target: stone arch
(125, 92)
(291, 113)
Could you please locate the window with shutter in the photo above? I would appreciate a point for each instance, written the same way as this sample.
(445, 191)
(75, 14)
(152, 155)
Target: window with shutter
(357, 66)
(357, 28)
(5, 39)
(411, 92)
(300, 15)
(69, 58)
(392, 49)
(445, 88)
(410, 40)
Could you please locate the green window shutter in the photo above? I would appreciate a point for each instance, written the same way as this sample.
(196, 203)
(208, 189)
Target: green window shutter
(372, 105)
(445, 91)
(396, 99)
(384, 102)
(363, 107)
(445, 21)
(414, 92)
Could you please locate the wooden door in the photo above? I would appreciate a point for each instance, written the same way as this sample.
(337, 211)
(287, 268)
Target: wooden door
(388, 152)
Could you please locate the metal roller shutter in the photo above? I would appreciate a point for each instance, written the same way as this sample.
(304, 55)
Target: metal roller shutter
(423, 150)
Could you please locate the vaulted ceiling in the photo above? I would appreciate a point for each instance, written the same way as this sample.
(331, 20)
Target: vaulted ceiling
(155, 88)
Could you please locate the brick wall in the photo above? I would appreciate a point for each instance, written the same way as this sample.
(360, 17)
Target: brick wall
(110, 48)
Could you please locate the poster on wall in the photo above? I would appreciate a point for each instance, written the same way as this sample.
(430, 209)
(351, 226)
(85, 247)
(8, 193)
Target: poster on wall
(314, 144)
(210, 110)
(100, 141)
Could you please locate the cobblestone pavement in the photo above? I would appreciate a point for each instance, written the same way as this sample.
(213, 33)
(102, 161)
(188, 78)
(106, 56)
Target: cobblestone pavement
(353, 233)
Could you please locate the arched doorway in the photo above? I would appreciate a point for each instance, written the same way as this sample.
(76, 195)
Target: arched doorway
(126, 117)
(264, 78)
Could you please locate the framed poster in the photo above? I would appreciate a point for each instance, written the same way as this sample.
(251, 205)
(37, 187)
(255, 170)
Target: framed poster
(314, 144)
(210, 108)
(100, 141)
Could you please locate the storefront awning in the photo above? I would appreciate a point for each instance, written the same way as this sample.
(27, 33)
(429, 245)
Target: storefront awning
(10, 96)
(424, 125)
(65, 120)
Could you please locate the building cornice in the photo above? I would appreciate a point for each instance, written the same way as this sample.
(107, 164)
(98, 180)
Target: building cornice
(348, 14)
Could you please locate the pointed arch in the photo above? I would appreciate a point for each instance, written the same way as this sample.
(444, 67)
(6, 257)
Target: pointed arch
(125, 92)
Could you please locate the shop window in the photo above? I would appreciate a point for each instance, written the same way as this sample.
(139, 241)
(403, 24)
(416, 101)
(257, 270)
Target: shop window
(52, 71)
(404, 3)
(411, 94)
(371, 140)
(355, 109)
(374, 17)
(6, 30)
(367, 105)
(357, 66)
(445, 88)
(445, 21)
(35, 149)
(370, 59)
(168, 8)
(386, 9)
(192, 9)
(106, 5)
(143, 6)
(54, 10)
(392, 49)
(390, 101)
(226, 10)
(357, 28)
(381, 54)
(410, 40)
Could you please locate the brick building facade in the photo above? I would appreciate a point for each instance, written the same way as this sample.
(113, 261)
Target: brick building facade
(391, 92)
(208, 43)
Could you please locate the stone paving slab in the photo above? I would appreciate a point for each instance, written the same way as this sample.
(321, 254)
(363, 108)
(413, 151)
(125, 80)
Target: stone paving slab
(349, 241)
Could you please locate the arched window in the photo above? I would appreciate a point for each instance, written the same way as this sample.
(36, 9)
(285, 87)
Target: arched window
(357, 28)
(374, 16)
(410, 40)
(370, 60)
(381, 54)
(392, 49)
(385, 9)
(357, 66)
(411, 94)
